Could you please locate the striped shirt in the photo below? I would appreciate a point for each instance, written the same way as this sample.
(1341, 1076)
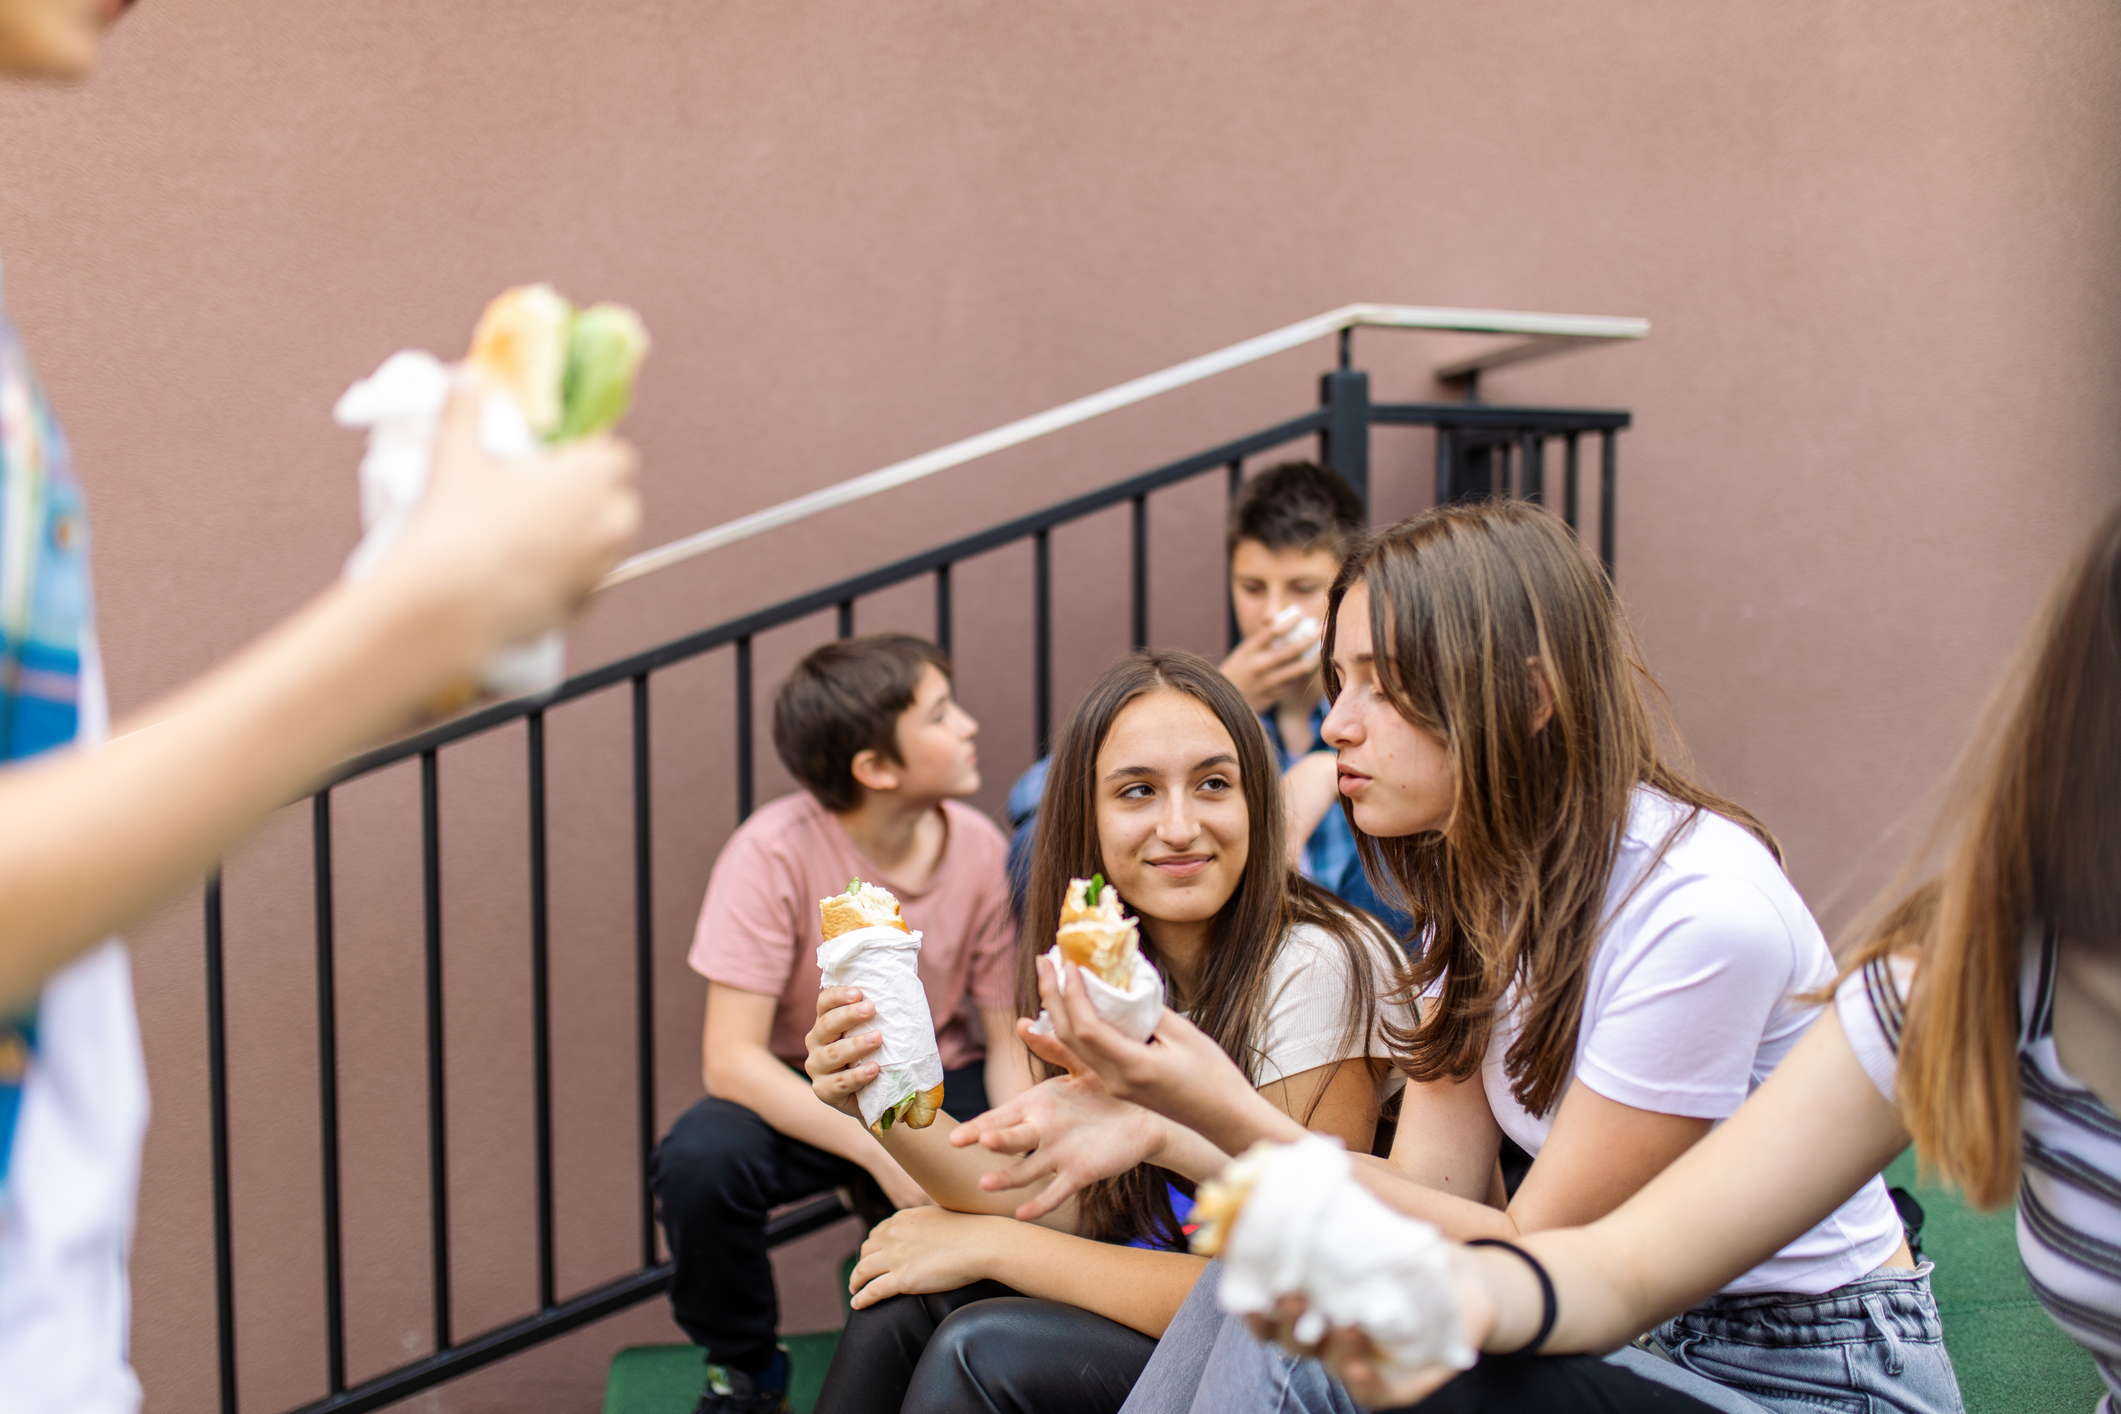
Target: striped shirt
(2069, 1200)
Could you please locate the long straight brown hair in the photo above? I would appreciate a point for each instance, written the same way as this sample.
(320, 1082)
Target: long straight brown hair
(1512, 891)
(2029, 839)
(1270, 899)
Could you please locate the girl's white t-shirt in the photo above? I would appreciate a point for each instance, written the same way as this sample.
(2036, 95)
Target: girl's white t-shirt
(1692, 999)
(67, 1222)
(1307, 1004)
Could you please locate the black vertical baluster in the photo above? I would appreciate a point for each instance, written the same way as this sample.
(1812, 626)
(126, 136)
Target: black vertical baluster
(217, 1127)
(1237, 482)
(541, 1007)
(1535, 468)
(437, 1089)
(1347, 347)
(942, 607)
(1141, 571)
(644, 953)
(1568, 492)
(1446, 447)
(743, 730)
(1042, 639)
(846, 618)
(328, 1094)
(1606, 470)
(1501, 458)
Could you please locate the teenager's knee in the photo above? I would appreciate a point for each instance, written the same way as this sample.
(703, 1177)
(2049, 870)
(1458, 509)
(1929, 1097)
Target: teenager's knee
(717, 1155)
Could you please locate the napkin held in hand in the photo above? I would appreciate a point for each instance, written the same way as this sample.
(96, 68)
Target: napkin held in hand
(883, 962)
(1133, 1012)
(1309, 1229)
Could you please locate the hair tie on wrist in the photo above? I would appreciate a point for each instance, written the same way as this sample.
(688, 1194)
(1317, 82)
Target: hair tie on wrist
(1550, 1306)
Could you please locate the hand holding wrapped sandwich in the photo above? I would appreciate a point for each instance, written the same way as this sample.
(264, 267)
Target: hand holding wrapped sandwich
(1105, 944)
(544, 379)
(1290, 1222)
(867, 945)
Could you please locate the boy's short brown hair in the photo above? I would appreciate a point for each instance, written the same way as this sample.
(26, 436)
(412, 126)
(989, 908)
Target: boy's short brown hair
(842, 700)
(1297, 506)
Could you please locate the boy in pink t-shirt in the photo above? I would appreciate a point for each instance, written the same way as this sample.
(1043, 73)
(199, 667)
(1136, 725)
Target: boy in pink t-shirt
(870, 728)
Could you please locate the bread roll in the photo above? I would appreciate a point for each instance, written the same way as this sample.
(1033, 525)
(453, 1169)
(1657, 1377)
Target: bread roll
(862, 906)
(1095, 935)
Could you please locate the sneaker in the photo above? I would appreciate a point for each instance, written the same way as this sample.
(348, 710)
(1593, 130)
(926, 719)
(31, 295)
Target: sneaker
(735, 1392)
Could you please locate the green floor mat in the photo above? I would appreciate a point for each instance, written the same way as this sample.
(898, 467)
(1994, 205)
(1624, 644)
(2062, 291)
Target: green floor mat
(2010, 1357)
(666, 1379)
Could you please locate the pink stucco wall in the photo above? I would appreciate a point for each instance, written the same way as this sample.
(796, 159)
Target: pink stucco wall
(1877, 244)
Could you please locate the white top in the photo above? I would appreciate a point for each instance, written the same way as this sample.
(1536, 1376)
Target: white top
(66, 1229)
(1691, 1001)
(1307, 999)
(2069, 1200)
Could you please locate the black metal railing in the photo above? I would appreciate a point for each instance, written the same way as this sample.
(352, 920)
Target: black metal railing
(1482, 450)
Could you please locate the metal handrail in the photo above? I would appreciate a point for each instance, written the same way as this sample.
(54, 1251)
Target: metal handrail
(1543, 334)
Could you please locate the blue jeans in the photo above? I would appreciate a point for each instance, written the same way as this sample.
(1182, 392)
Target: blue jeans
(1872, 1346)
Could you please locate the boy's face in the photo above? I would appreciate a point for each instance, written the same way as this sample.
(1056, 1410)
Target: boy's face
(937, 758)
(1263, 582)
(53, 38)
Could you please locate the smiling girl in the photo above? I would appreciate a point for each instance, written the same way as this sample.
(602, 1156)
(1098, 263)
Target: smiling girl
(1163, 783)
(1613, 959)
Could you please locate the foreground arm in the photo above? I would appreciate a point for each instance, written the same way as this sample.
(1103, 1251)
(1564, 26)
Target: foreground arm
(1812, 1135)
(92, 840)
(740, 1068)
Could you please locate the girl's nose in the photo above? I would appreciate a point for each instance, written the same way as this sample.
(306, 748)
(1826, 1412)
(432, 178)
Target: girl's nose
(1177, 827)
(1339, 727)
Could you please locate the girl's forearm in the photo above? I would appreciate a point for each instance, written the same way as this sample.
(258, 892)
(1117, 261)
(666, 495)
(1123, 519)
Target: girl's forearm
(951, 1176)
(91, 840)
(1461, 1219)
(1138, 1288)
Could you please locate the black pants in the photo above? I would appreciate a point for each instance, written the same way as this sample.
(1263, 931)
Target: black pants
(981, 1349)
(716, 1175)
(1581, 1384)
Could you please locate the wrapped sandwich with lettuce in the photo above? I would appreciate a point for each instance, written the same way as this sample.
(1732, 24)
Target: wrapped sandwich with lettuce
(552, 373)
(1124, 988)
(868, 945)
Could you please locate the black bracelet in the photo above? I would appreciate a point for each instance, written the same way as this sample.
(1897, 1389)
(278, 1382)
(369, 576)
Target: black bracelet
(1550, 1307)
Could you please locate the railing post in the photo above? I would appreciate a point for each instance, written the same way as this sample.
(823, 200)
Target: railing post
(1344, 442)
(328, 1094)
(217, 1131)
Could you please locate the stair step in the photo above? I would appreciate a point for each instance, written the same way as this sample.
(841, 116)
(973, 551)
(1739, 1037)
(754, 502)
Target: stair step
(667, 1379)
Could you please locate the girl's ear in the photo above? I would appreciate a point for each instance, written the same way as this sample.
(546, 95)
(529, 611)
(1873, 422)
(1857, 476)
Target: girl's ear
(1542, 696)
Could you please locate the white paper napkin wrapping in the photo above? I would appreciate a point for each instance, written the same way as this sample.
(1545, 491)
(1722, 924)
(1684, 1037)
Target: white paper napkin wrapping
(1309, 1229)
(400, 406)
(883, 962)
(1133, 1012)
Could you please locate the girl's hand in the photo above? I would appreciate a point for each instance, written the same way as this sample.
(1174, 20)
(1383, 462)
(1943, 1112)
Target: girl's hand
(1071, 1131)
(838, 1065)
(506, 549)
(923, 1250)
(1350, 1357)
(1181, 1073)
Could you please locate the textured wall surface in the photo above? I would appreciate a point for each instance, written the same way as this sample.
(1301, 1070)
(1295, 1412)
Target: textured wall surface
(1877, 244)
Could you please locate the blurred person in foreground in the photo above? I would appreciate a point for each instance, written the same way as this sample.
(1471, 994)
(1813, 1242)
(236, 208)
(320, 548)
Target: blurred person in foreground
(95, 833)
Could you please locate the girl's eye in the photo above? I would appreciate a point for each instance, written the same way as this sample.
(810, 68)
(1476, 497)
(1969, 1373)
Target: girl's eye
(1215, 783)
(1137, 791)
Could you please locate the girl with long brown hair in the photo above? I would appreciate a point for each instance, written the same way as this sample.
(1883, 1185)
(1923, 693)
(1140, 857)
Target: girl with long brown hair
(1979, 1016)
(1612, 959)
(1162, 782)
